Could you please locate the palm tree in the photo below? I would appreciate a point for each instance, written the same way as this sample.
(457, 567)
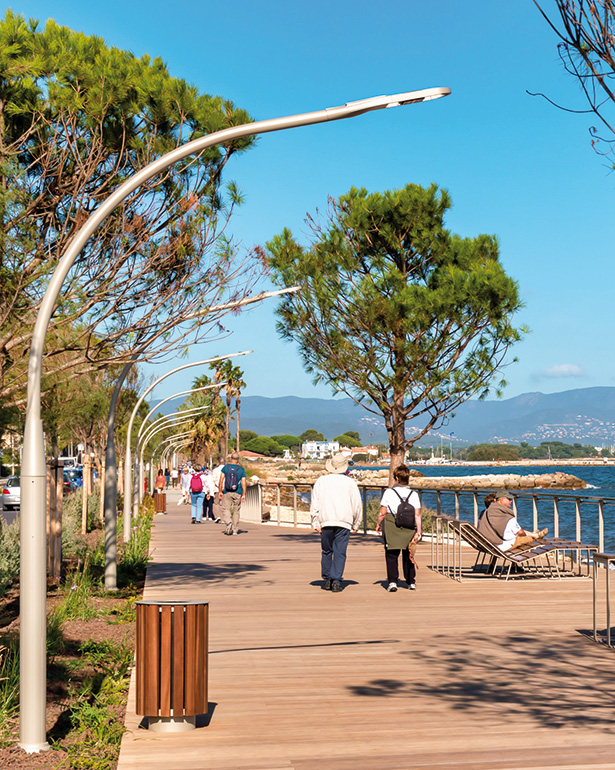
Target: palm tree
(231, 376)
(209, 426)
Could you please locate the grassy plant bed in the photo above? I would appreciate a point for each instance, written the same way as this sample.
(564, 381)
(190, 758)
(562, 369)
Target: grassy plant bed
(90, 649)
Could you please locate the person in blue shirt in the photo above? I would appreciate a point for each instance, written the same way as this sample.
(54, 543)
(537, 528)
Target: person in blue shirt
(232, 493)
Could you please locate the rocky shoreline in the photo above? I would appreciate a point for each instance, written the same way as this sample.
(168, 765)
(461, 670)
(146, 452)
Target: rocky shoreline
(555, 480)
(380, 478)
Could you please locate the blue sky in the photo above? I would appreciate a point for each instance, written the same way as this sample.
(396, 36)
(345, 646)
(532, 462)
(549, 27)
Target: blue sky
(514, 165)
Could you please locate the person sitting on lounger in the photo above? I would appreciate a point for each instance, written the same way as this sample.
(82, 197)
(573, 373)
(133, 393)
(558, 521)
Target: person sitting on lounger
(500, 526)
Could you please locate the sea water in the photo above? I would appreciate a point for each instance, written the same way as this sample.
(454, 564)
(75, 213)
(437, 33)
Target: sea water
(600, 481)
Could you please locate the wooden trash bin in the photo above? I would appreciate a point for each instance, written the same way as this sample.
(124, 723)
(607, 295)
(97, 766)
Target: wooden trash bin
(172, 646)
(160, 502)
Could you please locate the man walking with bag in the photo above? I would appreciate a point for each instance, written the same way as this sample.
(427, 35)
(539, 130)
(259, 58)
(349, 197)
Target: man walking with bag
(336, 512)
(232, 489)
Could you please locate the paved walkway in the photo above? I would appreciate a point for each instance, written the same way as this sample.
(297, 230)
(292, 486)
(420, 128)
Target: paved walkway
(475, 676)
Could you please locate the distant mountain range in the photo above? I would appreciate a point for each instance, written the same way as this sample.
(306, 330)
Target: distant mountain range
(586, 415)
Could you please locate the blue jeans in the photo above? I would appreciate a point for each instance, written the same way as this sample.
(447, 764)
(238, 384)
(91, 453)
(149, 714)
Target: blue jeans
(196, 500)
(333, 542)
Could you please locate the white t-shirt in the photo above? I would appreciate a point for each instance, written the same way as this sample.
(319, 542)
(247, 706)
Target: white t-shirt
(510, 534)
(391, 501)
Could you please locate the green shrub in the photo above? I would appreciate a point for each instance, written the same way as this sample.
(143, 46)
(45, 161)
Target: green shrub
(9, 685)
(134, 555)
(92, 714)
(9, 554)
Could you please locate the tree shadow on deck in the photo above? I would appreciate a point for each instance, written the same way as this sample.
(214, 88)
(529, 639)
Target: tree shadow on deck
(356, 540)
(553, 681)
(235, 574)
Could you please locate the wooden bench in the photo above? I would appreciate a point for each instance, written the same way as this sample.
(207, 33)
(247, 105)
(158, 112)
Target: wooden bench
(545, 557)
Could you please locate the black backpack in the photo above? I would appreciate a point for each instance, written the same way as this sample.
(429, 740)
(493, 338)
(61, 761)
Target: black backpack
(404, 516)
(231, 482)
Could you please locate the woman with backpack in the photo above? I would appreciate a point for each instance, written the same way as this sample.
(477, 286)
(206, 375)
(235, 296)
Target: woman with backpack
(197, 494)
(399, 520)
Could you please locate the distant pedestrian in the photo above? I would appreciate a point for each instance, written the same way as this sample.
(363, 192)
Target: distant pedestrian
(197, 494)
(174, 477)
(167, 476)
(336, 512)
(232, 493)
(399, 539)
(185, 485)
(217, 508)
(160, 498)
(209, 488)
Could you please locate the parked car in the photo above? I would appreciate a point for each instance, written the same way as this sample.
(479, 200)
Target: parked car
(75, 476)
(11, 494)
(68, 484)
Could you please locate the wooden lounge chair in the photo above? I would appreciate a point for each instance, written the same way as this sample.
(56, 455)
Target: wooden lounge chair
(546, 556)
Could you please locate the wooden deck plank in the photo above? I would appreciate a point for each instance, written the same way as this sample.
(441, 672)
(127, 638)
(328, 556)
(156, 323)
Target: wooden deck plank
(481, 675)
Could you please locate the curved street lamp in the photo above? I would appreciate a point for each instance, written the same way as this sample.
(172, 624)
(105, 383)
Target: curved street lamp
(32, 632)
(128, 488)
(170, 398)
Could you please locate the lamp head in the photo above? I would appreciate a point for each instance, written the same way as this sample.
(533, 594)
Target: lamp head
(399, 100)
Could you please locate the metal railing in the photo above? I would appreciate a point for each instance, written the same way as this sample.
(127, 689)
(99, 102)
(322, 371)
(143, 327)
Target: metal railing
(604, 560)
(579, 517)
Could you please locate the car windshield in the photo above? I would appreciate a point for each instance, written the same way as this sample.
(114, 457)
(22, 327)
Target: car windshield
(13, 481)
(74, 473)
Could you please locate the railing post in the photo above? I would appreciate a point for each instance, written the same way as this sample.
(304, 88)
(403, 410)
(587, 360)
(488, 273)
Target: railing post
(294, 505)
(475, 497)
(555, 516)
(279, 511)
(577, 519)
(535, 512)
(438, 503)
(457, 504)
(364, 500)
(601, 526)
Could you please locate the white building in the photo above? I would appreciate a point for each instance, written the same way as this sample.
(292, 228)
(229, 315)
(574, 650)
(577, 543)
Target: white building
(319, 450)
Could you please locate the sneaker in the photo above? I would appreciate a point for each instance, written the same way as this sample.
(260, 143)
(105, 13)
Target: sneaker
(336, 587)
(193, 521)
(218, 520)
(412, 586)
(229, 529)
(327, 585)
(234, 533)
(392, 587)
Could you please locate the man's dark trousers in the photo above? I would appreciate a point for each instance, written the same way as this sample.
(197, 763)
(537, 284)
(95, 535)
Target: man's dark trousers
(333, 542)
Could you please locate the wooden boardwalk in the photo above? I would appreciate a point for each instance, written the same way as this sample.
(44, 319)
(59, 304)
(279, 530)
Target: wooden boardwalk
(484, 675)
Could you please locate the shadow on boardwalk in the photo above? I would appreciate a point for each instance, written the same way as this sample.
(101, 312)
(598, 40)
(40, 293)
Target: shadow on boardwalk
(538, 677)
(459, 676)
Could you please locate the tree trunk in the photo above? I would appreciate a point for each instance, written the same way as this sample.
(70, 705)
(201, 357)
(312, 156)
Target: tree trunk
(397, 435)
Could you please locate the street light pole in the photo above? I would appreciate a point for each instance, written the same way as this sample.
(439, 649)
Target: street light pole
(33, 575)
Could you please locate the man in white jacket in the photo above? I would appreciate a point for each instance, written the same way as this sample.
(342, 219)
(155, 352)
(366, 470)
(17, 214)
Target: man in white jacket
(336, 512)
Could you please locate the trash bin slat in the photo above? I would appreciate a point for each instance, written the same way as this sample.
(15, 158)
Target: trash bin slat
(178, 661)
(190, 658)
(166, 656)
(151, 667)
